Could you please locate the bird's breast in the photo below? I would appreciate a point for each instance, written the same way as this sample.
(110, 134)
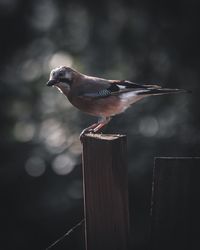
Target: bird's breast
(108, 106)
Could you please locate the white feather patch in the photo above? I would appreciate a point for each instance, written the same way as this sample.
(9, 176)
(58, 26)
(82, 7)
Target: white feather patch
(128, 95)
(131, 94)
(121, 86)
(131, 97)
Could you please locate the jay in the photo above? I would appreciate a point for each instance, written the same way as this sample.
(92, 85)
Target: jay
(101, 97)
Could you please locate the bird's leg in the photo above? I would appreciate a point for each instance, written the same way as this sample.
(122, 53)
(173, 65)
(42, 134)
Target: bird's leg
(89, 129)
(96, 126)
(101, 124)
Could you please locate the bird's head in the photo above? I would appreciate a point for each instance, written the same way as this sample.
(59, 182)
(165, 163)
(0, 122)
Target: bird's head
(61, 77)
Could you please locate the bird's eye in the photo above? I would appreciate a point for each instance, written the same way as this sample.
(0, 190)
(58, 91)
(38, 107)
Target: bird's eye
(61, 73)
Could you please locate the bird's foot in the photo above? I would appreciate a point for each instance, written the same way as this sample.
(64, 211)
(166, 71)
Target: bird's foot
(86, 131)
(94, 128)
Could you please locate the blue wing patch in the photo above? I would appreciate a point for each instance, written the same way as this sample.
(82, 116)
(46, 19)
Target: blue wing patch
(104, 92)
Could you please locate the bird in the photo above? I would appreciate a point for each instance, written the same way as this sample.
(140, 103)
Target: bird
(101, 97)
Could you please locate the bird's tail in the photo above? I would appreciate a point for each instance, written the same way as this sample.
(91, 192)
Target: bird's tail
(161, 91)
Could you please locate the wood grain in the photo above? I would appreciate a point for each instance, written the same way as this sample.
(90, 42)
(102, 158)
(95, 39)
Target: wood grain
(176, 204)
(105, 192)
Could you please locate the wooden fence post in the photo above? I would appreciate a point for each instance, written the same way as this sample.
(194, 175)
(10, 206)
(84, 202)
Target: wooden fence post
(176, 204)
(105, 192)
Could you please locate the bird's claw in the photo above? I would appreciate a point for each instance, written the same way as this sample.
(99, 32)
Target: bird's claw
(86, 131)
(94, 128)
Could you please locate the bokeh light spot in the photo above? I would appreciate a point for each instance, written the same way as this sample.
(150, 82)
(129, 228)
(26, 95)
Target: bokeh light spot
(44, 15)
(148, 126)
(54, 135)
(24, 131)
(63, 164)
(60, 58)
(30, 70)
(35, 166)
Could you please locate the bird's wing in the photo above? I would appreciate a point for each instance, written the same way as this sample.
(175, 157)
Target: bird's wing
(127, 86)
(141, 89)
(114, 88)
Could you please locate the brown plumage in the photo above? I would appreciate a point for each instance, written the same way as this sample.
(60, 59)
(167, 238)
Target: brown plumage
(100, 97)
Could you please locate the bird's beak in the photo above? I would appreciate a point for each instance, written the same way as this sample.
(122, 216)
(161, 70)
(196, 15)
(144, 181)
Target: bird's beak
(51, 82)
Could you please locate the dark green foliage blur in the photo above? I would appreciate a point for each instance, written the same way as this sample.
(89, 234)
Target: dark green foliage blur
(155, 42)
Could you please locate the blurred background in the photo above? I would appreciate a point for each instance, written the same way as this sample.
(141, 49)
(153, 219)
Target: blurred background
(40, 152)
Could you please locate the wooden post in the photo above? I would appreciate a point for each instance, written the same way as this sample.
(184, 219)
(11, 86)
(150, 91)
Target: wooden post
(105, 192)
(176, 204)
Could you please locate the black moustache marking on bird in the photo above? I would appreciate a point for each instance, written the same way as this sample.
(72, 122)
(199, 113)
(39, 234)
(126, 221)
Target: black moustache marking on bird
(65, 80)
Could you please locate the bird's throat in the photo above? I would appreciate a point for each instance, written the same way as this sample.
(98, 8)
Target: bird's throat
(63, 88)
